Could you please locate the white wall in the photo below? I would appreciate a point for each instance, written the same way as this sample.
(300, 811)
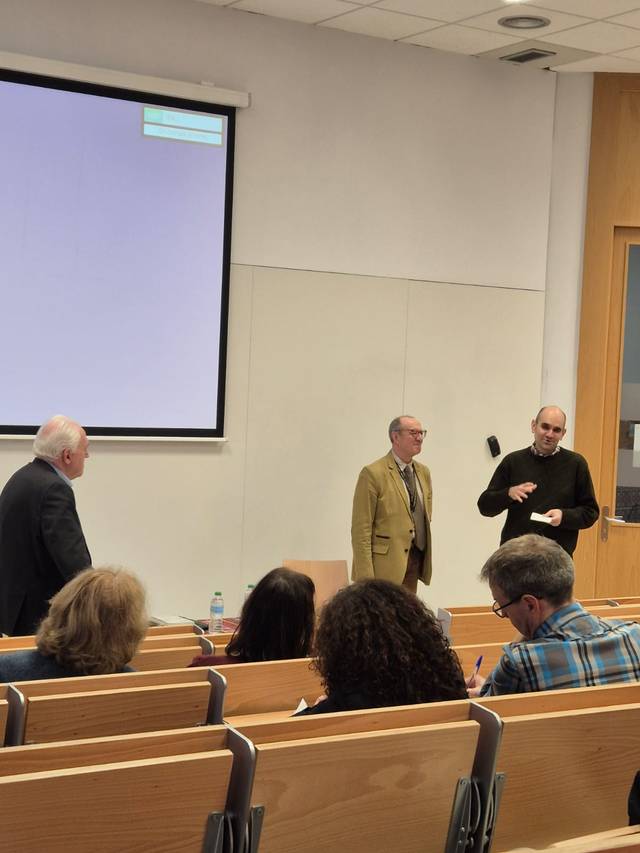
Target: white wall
(404, 178)
(571, 142)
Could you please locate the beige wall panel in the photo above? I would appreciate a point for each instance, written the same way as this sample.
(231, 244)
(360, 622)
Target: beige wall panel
(327, 367)
(473, 370)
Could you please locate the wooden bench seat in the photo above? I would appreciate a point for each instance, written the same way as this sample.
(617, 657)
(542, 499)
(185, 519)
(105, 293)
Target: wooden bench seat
(112, 807)
(180, 628)
(323, 727)
(588, 603)
(390, 790)
(270, 686)
(58, 755)
(92, 706)
(468, 655)
(165, 658)
(623, 839)
(476, 628)
(569, 758)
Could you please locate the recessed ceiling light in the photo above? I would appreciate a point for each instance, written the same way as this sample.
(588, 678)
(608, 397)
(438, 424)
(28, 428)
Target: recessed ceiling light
(524, 22)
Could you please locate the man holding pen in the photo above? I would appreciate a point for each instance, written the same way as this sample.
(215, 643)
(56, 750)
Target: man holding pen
(531, 580)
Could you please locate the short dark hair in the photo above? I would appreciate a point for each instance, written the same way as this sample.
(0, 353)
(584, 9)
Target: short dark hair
(277, 619)
(377, 639)
(532, 564)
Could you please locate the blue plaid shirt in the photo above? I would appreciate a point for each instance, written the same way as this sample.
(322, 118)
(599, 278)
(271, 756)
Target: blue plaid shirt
(571, 648)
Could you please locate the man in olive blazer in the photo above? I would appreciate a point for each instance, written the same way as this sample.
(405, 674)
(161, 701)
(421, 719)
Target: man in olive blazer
(390, 524)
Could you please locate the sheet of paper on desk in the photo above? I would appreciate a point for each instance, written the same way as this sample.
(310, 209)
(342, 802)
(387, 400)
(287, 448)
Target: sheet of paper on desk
(302, 704)
(544, 519)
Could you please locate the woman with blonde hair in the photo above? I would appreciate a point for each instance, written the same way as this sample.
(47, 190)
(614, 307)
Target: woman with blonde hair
(94, 627)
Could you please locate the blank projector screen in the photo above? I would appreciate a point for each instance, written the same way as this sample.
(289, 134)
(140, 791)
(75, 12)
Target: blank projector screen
(115, 231)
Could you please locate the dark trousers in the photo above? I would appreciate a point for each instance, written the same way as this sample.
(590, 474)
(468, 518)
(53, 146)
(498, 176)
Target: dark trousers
(414, 565)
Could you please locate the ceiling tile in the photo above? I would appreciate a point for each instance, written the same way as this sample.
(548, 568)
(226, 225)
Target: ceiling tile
(631, 19)
(310, 12)
(590, 8)
(632, 53)
(378, 22)
(613, 64)
(460, 39)
(559, 21)
(440, 10)
(599, 36)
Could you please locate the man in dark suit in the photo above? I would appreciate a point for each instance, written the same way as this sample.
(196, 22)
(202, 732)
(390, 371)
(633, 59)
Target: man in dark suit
(41, 541)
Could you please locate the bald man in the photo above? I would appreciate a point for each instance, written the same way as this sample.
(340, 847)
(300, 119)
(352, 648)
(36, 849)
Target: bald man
(41, 541)
(545, 479)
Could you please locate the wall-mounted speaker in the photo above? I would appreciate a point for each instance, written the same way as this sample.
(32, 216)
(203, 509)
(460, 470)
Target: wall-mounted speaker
(494, 445)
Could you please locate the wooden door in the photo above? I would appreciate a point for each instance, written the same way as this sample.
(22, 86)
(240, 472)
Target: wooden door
(608, 555)
(618, 543)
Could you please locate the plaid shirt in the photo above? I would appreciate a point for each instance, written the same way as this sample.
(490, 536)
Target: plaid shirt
(571, 648)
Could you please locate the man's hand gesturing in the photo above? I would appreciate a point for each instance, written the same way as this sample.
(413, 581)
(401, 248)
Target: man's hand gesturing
(521, 493)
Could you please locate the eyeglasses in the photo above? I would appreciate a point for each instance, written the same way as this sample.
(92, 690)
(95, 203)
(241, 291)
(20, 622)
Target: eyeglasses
(414, 433)
(499, 609)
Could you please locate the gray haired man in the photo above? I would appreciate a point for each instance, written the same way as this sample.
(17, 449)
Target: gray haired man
(42, 545)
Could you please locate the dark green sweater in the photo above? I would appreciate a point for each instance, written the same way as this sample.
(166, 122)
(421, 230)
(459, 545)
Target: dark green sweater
(563, 482)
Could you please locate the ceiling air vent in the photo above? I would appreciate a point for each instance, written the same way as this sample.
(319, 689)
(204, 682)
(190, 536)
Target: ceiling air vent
(527, 55)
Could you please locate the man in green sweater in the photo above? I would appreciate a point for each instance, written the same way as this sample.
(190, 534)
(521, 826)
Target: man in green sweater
(544, 480)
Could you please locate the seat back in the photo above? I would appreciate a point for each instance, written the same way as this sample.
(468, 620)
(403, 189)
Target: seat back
(350, 722)
(566, 773)
(181, 628)
(257, 688)
(476, 628)
(59, 755)
(93, 706)
(468, 655)
(328, 576)
(165, 658)
(12, 644)
(169, 641)
(112, 807)
(382, 790)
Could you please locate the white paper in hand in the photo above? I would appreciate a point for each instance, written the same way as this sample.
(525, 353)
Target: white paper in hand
(302, 704)
(544, 519)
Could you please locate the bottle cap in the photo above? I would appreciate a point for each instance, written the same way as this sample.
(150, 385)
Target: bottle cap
(217, 593)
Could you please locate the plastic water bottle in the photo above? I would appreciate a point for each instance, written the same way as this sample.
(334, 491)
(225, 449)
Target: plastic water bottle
(216, 614)
(248, 590)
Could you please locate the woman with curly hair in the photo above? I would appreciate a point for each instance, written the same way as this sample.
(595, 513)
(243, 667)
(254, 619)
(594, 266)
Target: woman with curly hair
(378, 645)
(276, 622)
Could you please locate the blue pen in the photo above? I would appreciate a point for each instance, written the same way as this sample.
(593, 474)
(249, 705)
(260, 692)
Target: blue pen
(476, 670)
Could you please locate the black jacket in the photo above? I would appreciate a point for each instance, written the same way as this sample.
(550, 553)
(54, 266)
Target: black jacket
(41, 544)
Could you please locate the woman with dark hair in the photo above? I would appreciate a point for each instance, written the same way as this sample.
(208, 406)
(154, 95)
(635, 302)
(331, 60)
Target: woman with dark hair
(276, 622)
(378, 645)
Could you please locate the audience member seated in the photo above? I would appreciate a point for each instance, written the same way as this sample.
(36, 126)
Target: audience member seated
(95, 625)
(378, 645)
(562, 645)
(276, 622)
